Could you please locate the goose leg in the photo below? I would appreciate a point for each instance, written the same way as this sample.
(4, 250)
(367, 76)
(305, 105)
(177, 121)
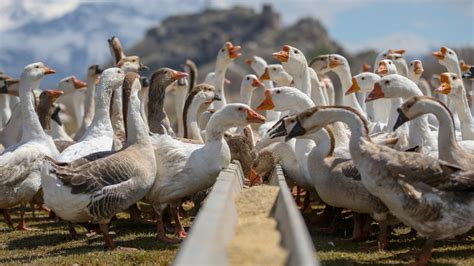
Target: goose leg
(8, 218)
(383, 235)
(109, 242)
(179, 227)
(425, 254)
(135, 214)
(160, 229)
(22, 224)
(32, 207)
(72, 231)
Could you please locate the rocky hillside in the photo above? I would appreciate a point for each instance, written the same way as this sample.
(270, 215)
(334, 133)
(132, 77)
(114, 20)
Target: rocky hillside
(199, 36)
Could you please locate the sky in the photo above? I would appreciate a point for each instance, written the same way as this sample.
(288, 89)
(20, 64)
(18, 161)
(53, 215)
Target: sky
(416, 25)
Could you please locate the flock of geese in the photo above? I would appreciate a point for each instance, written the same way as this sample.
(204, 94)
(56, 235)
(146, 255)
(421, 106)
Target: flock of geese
(380, 145)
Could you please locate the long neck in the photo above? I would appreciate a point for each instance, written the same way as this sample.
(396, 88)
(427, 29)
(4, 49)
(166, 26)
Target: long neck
(117, 111)
(316, 91)
(137, 132)
(90, 101)
(221, 69)
(414, 77)
(420, 133)
(324, 145)
(344, 75)
(31, 125)
(446, 135)
(462, 106)
(143, 95)
(101, 122)
(454, 67)
(217, 126)
(156, 108)
(179, 105)
(356, 124)
(45, 111)
(303, 81)
(402, 69)
(246, 95)
(192, 129)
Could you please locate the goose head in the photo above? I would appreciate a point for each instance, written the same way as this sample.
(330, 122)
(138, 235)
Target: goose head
(36, 71)
(398, 60)
(165, 76)
(116, 49)
(9, 85)
(264, 162)
(93, 72)
(277, 74)
(469, 74)
(446, 57)
(363, 82)
(383, 54)
(131, 64)
(249, 83)
(386, 67)
(292, 59)
(331, 62)
(416, 67)
(46, 106)
(414, 107)
(70, 84)
(393, 86)
(257, 63)
(111, 79)
(204, 94)
(282, 99)
(227, 54)
(464, 67)
(450, 84)
(234, 115)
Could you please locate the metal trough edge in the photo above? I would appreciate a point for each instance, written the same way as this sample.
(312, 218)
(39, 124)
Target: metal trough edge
(295, 235)
(215, 223)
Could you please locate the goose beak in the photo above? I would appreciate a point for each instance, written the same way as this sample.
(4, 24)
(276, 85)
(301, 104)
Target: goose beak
(47, 70)
(464, 67)
(333, 63)
(232, 50)
(254, 117)
(296, 131)
(354, 87)
(383, 69)
(402, 118)
(440, 54)
(418, 68)
(376, 93)
(216, 98)
(267, 103)
(143, 67)
(282, 55)
(226, 81)
(278, 130)
(255, 179)
(445, 87)
(178, 74)
(399, 51)
(78, 83)
(365, 68)
(54, 94)
(256, 83)
(265, 75)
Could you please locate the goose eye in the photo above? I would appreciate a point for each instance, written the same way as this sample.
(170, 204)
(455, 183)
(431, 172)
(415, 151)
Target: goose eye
(240, 109)
(411, 64)
(450, 52)
(222, 50)
(68, 80)
(118, 71)
(296, 52)
(274, 69)
(308, 115)
(384, 55)
(363, 78)
(389, 63)
(387, 82)
(278, 91)
(248, 78)
(454, 78)
(37, 66)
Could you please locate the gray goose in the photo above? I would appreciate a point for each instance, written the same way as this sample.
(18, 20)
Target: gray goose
(96, 190)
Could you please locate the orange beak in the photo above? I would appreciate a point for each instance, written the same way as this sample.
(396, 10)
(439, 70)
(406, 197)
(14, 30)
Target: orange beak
(249, 61)
(399, 51)
(333, 63)
(54, 94)
(178, 74)
(418, 68)
(226, 81)
(256, 83)
(254, 117)
(383, 69)
(265, 75)
(445, 87)
(354, 87)
(48, 71)
(283, 55)
(267, 103)
(440, 54)
(232, 50)
(255, 179)
(464, 67)
(365, 68)
(375, 94)
(77, 83)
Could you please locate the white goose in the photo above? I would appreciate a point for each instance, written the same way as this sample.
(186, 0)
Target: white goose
(185, 168)
(73, 97)
(20, 164)
(449, 149)
(99, 135)
(277, 74)
(394, 86)
(83, 191)
(452, 85)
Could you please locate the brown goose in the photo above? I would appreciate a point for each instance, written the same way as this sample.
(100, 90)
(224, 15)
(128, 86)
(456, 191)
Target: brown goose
(96, 190)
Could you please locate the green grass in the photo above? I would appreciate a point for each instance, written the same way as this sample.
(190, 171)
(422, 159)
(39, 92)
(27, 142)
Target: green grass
(332, 251)
(49, 243)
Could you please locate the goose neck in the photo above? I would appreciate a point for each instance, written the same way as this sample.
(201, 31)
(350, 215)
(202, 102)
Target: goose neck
(101, 123)
(137, 132)
(344, 74)
(220, 71)
(156, 108)
(446, 135)
(302, 81)
(31, 125)
(192, 129)
(90, 100)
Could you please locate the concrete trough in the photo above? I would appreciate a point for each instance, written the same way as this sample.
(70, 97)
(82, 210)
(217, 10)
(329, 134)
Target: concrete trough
(214, 227)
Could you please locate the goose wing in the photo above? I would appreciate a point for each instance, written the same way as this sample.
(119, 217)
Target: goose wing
(15, 166)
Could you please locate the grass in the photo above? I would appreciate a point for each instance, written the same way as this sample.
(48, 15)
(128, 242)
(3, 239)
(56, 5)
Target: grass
(49, 243)
(332, 251)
